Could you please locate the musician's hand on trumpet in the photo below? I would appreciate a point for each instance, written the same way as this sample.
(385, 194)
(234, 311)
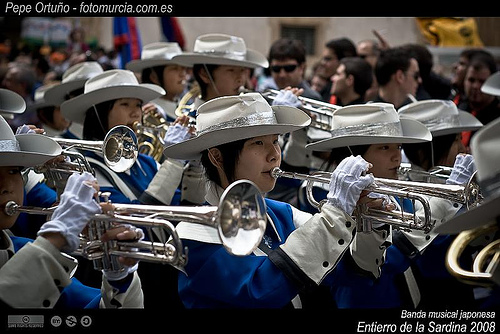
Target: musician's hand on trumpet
(347, 183)
(288, 97)
(463, 169)
(76, 208)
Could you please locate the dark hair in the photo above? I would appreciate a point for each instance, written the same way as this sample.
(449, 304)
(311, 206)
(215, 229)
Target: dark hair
(74, 93)
(471, 52)
(340, 153)
(423, 56)
(389, 62)
(343, 47)
(96, 123)
(196, 72)
(362, 72)
(420, 154)
(230, 154)
(480, 61)
(46, 114)
(285, 48)
(146, 73)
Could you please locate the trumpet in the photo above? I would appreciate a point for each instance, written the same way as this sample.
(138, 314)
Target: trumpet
(437, 174)
(467, 194)
(119, 147)
(366, 216)
(321, 112)
(240, 219)
(485, 265)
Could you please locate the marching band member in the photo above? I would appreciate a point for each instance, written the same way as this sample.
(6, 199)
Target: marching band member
(37, 273)
(488, 162)
(238, 139)
(446, 123)
(70, 86)
(376, 132)
(112, 98)
(36, 193)
(52, 122)
(158, 66)
(220, 65)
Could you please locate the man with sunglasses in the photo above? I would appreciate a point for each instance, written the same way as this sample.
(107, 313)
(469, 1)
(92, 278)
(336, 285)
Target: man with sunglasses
(287, 64)
(398, 77)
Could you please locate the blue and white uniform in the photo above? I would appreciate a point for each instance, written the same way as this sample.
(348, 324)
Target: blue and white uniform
(276, 272)
(34, 274)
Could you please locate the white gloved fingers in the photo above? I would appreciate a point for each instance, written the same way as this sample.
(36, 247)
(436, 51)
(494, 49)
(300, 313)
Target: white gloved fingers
(286, 98)
(463, 169)
(176, 134)
(353, 165)
(24, 129)
(80, 186)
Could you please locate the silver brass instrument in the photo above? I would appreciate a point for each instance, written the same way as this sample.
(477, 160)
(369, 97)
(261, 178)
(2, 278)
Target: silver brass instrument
(321, 112)
(437, 174)
(240, 220)
(119, 147)
(485, 269)
(468, 195)
(57, 171)
(365, 216)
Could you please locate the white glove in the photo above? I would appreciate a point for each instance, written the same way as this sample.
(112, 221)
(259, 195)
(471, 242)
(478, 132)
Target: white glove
(24, 129)
(176, 134)
(75, 209)
(286, 98)
(463, 169)
(347, 183)
(121, 274)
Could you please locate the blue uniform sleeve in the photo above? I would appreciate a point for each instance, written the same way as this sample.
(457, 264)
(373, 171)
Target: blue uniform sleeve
(216, 278)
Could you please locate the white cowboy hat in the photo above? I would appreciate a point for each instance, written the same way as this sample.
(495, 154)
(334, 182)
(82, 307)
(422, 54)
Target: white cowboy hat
(27, 149)
(156, 54)
(231, 118)
(440, 116)
(73, 79)
(107, 86)
(373, 123)
(11, 103)
(39, 100)
(484, 147)
(492, 85)
(221, 49)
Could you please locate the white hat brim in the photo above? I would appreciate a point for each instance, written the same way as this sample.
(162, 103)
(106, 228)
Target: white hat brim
(57, 94)
(467, 123)
(75, 108)
(289, 119)
(413, 132)
(35, 150)
(482, 214)
(138, 65)
(492, 85)
(11, 102)
(253, 59)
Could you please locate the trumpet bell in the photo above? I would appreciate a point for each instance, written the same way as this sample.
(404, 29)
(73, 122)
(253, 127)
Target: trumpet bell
(242, 218)
(120, 148)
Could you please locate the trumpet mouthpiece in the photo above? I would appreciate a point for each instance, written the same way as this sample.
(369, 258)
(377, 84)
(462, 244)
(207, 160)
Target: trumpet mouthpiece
(275, 172)
(10, 208)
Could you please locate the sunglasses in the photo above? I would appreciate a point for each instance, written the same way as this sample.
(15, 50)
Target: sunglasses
(287, 68)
